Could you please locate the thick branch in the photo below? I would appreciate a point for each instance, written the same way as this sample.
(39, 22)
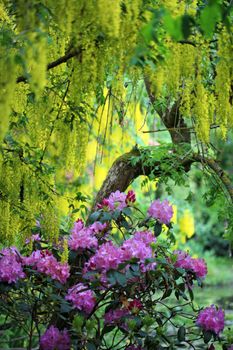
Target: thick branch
(120, 175)
(123, 173)
(60, 60)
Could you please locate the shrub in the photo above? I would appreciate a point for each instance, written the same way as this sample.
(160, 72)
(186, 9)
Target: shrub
(120, 288)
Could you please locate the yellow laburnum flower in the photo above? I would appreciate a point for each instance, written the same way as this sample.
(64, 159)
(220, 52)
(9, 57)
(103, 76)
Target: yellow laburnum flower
(186, 224)
(174, 216)
(65, 253)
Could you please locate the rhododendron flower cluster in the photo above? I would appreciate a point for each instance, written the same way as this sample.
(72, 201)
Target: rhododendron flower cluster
(43, 261)
(161, 211)
(81, 297)
(195, 265)
(117, 200)
(97, 227)
(139, 247)
(134, 248)
(84, 237)
(53, 339)
(107, 257)
(115, 316)
(211, 319)
(11, 268)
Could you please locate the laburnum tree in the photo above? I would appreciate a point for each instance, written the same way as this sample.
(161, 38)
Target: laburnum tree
(61, 63)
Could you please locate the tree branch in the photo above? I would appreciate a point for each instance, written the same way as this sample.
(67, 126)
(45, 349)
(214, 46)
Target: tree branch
(123, 172)
(172, 119)
(60, 60)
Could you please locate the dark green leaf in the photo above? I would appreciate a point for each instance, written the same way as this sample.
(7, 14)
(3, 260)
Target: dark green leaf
(167, 293)
(105, 217)
(127, 211)
(157, 229)
(91, 346)
(115, 277)
(94, 216)
(65, 307)
(181, 333)
(187, 23)
(116, 214)
(207, 336)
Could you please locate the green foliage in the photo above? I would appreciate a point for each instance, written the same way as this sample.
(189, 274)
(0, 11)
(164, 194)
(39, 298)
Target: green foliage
(164, 162)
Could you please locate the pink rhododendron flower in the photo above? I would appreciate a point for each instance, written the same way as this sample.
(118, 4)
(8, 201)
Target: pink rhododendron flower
(82, 239)
(97, 227)
(78, 225)
(81, 297)
(146, 237)
(185, 261)
(10, 265)
(211, 319)
(230, 348)
(115, 316)
(35, 257)
(161, 211)
(53, 339)
(199, 267)
(44, 262)
(139, 247)
(107, 257)
(130, 197)
(117, 200)
(133, 248)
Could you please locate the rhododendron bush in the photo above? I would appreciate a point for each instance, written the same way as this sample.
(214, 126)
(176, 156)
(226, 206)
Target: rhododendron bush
(111, 283)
